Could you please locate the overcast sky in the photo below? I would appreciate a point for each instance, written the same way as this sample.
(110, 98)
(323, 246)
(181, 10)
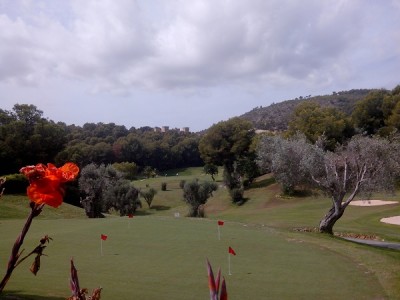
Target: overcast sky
(189, 62)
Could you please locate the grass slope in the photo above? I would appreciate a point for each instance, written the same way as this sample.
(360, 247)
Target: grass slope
(157, 256)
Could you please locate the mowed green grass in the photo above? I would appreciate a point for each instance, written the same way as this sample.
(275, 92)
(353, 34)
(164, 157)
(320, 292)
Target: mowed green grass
(157, 256)
(164, 258)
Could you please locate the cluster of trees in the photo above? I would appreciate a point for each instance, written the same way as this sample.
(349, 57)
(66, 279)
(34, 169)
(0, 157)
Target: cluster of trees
(276, 116)
(343, 155)
(109, 143)
(377, 113)
(230, 144)
(28, 138)
(323, 147)
(103, 189)
(362, 165)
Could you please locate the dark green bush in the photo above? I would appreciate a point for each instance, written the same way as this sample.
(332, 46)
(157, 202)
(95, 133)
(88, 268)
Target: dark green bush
(15, 184)
(148, 195)
(196, 195)
(164, 186)
(237, 195)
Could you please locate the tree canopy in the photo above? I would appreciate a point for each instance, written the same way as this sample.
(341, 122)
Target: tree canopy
(364, 164)
(28, 138)
(315, 121)
(225, 144)
(103, 188)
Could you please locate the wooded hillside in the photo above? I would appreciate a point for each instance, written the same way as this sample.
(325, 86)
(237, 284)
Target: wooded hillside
(277, 115)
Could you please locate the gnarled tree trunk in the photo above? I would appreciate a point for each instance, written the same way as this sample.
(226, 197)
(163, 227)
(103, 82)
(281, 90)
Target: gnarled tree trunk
(329, 220)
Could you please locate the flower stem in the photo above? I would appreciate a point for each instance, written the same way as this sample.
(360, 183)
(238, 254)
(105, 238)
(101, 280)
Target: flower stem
(36, 209)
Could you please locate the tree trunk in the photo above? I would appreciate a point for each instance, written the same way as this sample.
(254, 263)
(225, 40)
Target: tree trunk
(193, 211)
(329, 220)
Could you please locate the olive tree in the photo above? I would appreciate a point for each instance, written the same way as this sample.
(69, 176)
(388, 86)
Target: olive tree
(122, 197)
(103, 188)
(148, 195)
(283, 158)
(196, 194)
(363, 165)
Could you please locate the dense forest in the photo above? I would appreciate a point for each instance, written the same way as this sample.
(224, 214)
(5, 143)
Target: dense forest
(26, 138)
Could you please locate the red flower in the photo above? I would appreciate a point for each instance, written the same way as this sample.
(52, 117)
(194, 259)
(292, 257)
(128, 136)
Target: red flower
(46, 182)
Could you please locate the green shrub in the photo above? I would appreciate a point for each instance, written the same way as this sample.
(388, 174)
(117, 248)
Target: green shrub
(163, 186)
(15, 184)
(196, 194)
(237, 195)
(148, 195)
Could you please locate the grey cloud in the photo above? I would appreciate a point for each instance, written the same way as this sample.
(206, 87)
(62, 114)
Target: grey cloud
(183, 44)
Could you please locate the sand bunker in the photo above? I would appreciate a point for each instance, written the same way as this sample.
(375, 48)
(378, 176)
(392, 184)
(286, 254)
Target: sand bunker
(391, 220)
(372, 202)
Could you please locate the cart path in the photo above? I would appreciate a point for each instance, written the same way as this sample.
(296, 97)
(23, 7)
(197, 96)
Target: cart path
(390, 245)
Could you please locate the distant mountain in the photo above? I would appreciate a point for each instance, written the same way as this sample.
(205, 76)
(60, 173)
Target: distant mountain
(277, 115)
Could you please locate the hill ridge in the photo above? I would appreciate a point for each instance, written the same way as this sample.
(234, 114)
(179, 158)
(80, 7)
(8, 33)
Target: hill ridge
(275, 117)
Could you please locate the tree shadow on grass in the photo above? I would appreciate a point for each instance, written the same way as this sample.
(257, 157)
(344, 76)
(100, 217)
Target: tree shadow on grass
(303, 193)
(142, 213)
(160, 207)
(151, 210)
(263, 183)
(242, 202)
(17, 295)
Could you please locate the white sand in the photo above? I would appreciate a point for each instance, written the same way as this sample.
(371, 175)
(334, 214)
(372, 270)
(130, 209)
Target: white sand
(372, 202)
(391, 220)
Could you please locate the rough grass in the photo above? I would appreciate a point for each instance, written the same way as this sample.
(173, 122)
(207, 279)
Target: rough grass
(17, 207)
(158, 256)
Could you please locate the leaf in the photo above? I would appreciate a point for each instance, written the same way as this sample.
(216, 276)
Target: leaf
(35, 267)
(74, 282)
(224, 293)
(217, 280)
(211, 283)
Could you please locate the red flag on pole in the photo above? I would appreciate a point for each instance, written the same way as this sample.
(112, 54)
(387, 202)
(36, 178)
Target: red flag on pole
(220, 223)
(231, 251)
(103, 237)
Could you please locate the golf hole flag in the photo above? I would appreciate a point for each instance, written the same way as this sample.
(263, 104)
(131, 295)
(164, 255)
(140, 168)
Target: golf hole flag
(230, 251)
(220, 223)
(103, 237)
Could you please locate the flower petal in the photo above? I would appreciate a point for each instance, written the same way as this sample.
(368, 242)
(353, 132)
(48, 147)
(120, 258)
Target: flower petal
(46, 182)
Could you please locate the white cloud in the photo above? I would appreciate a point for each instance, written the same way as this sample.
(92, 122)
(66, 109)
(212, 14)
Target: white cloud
(122, 47)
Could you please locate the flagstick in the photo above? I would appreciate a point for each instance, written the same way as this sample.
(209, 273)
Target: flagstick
(229, 263)
(101, 246)
(219, 233)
